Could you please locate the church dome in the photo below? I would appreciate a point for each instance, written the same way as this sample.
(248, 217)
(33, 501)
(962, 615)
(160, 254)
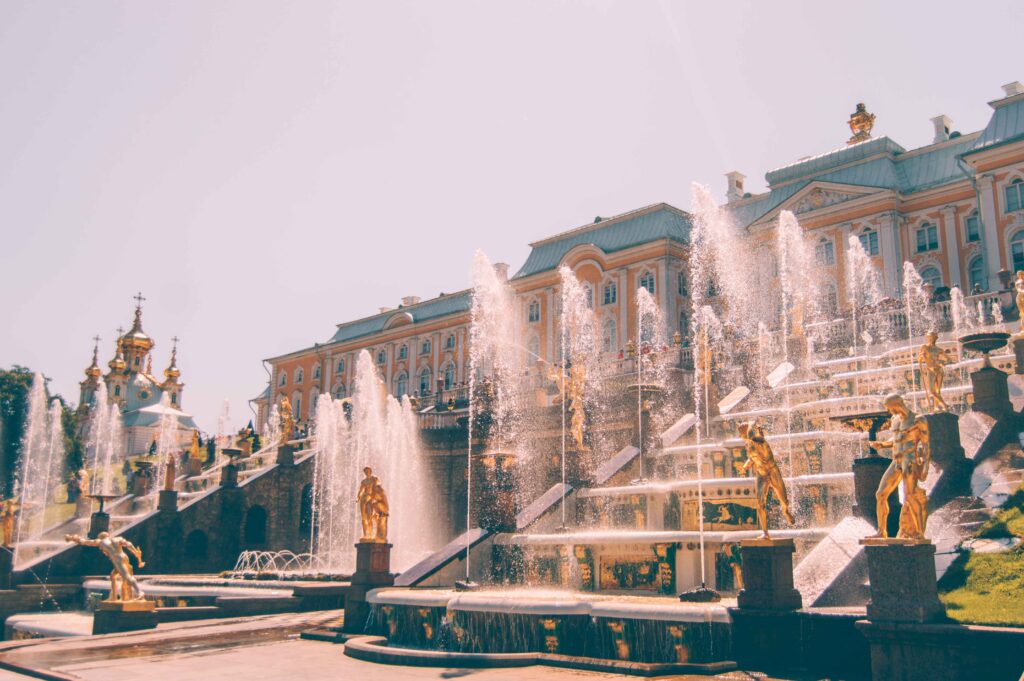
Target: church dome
(136, 337)
(118, 363)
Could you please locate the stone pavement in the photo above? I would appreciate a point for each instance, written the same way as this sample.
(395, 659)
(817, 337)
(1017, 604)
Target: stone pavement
(246, 649)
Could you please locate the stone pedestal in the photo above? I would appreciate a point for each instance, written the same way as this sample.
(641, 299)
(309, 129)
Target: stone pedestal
(195, 467)
(285, 455)
(768, 575)
(229, 475)
(1018, 354)
(6, 567)
(99, 522)
(948, 454)
(168, 500)
(115, 616)
(373, 570)
(991, 391)
(498, 501)
(903, 582)
(867, 473)
(83, 506)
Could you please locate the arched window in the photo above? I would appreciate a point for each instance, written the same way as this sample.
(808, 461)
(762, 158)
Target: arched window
(533, 347)
(316, 371)
(830, 299)
(449, 342)
(609, 337)
(174, 398)
(283, 378)
(339, 392)
(425, 381)
(297, 405)
(403, 352)
(927, 238)
(533, 312)
(609, 294)
(401, 384)
(339, 366)
(197, 547)
(255, 533)
(425, 347)
(117, 391)
(299, 375)
(449, 376)
(869, 241)
(1017, 250)
(1014, 196)
(647, 282)
(588, 294)
(684, 287)
(973, 227)
(976, 274)
(382, 356)
(931, 275)
(306, 509)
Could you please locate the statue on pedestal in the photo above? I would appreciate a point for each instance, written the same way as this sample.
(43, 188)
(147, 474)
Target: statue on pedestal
(8, 513)
(287, 421)
(373, 508)
(170, 471)
(761, 458)
(123, 585)
(932, 361)
(911, 455)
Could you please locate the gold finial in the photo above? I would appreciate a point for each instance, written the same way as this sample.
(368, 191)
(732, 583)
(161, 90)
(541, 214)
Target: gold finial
(860, 124)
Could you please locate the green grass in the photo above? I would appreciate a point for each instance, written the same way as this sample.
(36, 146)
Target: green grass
(987, 588)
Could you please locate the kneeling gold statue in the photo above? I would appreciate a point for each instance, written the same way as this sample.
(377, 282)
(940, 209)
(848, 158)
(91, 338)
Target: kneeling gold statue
(123, 585)
(373, 508)
(911, 456)
(762, 460)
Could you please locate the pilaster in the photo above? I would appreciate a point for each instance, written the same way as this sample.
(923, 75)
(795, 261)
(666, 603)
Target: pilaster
(992, 253)
(952, 247)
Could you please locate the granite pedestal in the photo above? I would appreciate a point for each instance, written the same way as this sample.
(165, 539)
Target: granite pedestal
(168, 501)
(373, 570)
(99, 522)
(285, 455)
(767, 566)
(991, 391)
(903, 581)
(6, 567)
(229, 475)
(867, 473)
(1018, 355)
(115, 616)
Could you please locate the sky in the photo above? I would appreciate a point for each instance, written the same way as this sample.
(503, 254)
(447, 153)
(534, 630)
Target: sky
(262, 171)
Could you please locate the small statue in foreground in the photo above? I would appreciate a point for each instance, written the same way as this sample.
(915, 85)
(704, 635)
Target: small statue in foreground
(911, 455)
(762, 460)
(123, 585)
(932, 360)
(373, 508)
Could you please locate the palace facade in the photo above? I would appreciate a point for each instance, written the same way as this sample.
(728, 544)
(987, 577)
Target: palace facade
(955, 208)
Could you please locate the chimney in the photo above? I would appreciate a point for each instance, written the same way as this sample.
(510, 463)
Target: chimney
(943, 124)
(410, 300)
(501, 269)
(735, 190)
(1014, 88)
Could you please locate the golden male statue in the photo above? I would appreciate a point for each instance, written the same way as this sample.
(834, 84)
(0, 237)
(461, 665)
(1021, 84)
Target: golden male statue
(932, 360)
(1019, 285)
(911, 455)
(8, 513)
(287, 421)
(123, 585)
(373, 508)
(761, 458)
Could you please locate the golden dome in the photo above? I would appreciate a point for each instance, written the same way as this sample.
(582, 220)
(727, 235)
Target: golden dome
(136, 337)
(118, 363)
(172, 372)
(93, 370)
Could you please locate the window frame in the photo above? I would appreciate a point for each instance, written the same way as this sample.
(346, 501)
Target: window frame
(869, 241)
(1014, 188)
(926, 238)
(609, 293)
(647, 277)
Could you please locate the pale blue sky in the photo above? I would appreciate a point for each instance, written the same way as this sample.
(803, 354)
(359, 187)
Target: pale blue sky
(265, 170)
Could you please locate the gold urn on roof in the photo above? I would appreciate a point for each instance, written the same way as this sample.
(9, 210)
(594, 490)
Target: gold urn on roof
(860, 124)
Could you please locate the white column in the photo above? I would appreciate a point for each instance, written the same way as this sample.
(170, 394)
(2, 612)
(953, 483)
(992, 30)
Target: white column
(667, 311)
(550, 323)
(460, 344)
(434, 343)
(622, 298)
(952, 247)
(990, 239)
(892, 262)
(389, 357)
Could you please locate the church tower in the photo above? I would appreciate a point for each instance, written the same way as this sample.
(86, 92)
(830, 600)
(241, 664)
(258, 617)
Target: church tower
(93, 373)
(171, 385)
(135, 345)
(116, 379)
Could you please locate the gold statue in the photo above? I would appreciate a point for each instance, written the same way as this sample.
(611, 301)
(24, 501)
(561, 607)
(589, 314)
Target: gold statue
(762, 460)
(1019, 285)
(193, 450)
(932, 360)
(170, 471)
(373, 508)
(571, 384)
(123, 585)
(911, 455)
(8, 513)
(287, 421)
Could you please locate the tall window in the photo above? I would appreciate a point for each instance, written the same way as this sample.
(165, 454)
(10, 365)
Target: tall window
(403, 352)
(1014, 196)
(382, 356)
(609, 339)
(339, 366)
(425, 347)
(401, 384)
(1017, 250)
(449, 376)
(533, 314)
(283, 378)
(610, 294)
(869, 240)
(297, 406)
(931, 275)
(973, 227)
(684, 289)
(588, 293)
(425, 381)
(647, 282)
(298, 375)
(825, 252)
(316, 371)
(927, 237)
(684, 325)
(449, 342)
(339, 392)
(976, 273)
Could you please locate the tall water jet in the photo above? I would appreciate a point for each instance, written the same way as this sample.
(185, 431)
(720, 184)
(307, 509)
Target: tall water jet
(332, 532)
(916, 305)
(38, 454)
(105, 444)
(224, 424)
(650, 372)
(863, 284)
(166, 437)
(962, 322)
(272, 428)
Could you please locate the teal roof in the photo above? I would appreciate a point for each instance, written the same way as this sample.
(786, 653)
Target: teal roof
(1006, 124)
(837, 157)
(659, 221)
(441, 306)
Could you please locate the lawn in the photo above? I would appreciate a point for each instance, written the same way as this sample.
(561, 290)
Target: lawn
(988, 588)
